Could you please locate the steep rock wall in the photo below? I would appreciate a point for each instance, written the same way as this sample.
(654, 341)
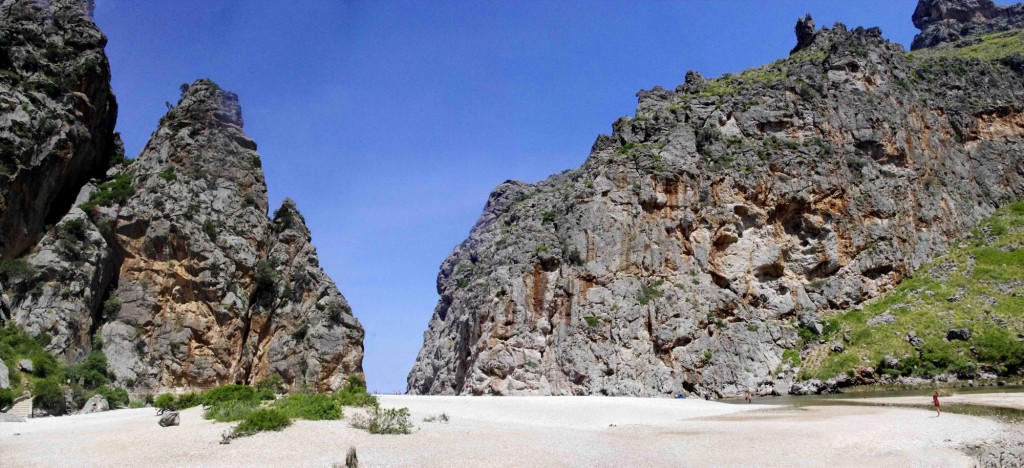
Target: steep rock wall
(696, 238)
(57, 114)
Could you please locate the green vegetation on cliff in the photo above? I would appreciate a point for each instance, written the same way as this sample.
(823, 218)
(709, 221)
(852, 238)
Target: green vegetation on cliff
(962, 313)
(50, 377)
(989, 47)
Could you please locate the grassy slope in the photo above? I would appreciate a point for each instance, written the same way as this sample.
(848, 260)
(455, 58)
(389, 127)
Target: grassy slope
(989, 47)
(978, 285)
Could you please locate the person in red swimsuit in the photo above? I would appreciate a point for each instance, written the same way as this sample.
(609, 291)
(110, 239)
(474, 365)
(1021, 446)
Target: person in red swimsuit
(935, 401)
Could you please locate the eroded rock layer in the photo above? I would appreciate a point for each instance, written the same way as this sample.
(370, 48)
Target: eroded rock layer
(685, 252)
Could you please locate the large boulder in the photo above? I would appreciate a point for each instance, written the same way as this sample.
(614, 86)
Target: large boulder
(95, 404)
(170, 418)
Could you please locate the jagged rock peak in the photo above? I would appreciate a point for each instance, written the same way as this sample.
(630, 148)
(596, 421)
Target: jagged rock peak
(203, 101)
(804, 33)
(947, 21)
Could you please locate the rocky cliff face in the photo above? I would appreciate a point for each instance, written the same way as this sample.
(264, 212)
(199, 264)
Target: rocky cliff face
(169, 263)
(727, 213)
(57, 114)
(209, 290)
(947, 21)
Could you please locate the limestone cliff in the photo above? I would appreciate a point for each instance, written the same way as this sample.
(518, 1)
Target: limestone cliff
(169, 263)
(696, 239)
(57, 114)
(209, 290)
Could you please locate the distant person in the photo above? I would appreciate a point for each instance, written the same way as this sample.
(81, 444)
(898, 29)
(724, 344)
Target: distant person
(747, 396)
(935, 401)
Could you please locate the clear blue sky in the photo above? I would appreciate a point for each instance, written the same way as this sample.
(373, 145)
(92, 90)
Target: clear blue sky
(389, 122)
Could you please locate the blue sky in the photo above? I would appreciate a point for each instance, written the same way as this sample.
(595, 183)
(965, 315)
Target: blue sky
(389, 122)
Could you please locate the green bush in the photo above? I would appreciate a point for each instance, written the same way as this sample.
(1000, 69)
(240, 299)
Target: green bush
(116, 397)
(92, 372)
(314, 407)
(273, 383)
(354, 393)
(188, 400)
(44, 364)
(49, 396)
(165, 401)
(385, 421)
(791, 356)
(999, 347)
(231, 393)
(6, 397)
(110, 192)
(262, 420)
(16, 269)
(228, 411)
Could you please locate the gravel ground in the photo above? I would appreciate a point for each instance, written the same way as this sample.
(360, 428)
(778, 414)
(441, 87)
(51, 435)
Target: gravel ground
(521, 431)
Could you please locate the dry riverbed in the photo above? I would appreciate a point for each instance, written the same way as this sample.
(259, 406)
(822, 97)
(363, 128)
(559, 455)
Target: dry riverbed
(528, 431)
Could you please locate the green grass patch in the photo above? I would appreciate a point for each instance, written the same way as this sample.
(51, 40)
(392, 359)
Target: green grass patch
(991, 47)
(984, 274)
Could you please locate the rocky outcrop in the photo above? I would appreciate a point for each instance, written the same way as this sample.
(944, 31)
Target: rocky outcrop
(168, 264)
(71, 269)
(209, 290)
(57, 114)
(696, 239)
(948, 21)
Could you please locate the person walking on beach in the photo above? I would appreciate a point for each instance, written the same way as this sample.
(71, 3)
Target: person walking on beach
(935, 401)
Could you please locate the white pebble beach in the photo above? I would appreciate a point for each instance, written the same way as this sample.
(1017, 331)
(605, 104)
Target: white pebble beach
(523, 431)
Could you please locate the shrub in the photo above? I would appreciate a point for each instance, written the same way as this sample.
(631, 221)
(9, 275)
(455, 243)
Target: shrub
(651, 292)
(49, 395)
(354, 393)
(592, 320)
(228, 411)
(265, 278)
(6, 397)
(44, 364)
(231, 393)
(1000, 347)
(273, 383)
(791, 356)
(189, 400)
(110, 192)
(92, 372)
(168, 174)
(314, 407)
(117, 397)
(165, 401)
(385, 421)
(16, 269)
(210, 227)
(262, 420)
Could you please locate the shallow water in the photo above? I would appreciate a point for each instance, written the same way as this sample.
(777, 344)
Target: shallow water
(856, 397)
